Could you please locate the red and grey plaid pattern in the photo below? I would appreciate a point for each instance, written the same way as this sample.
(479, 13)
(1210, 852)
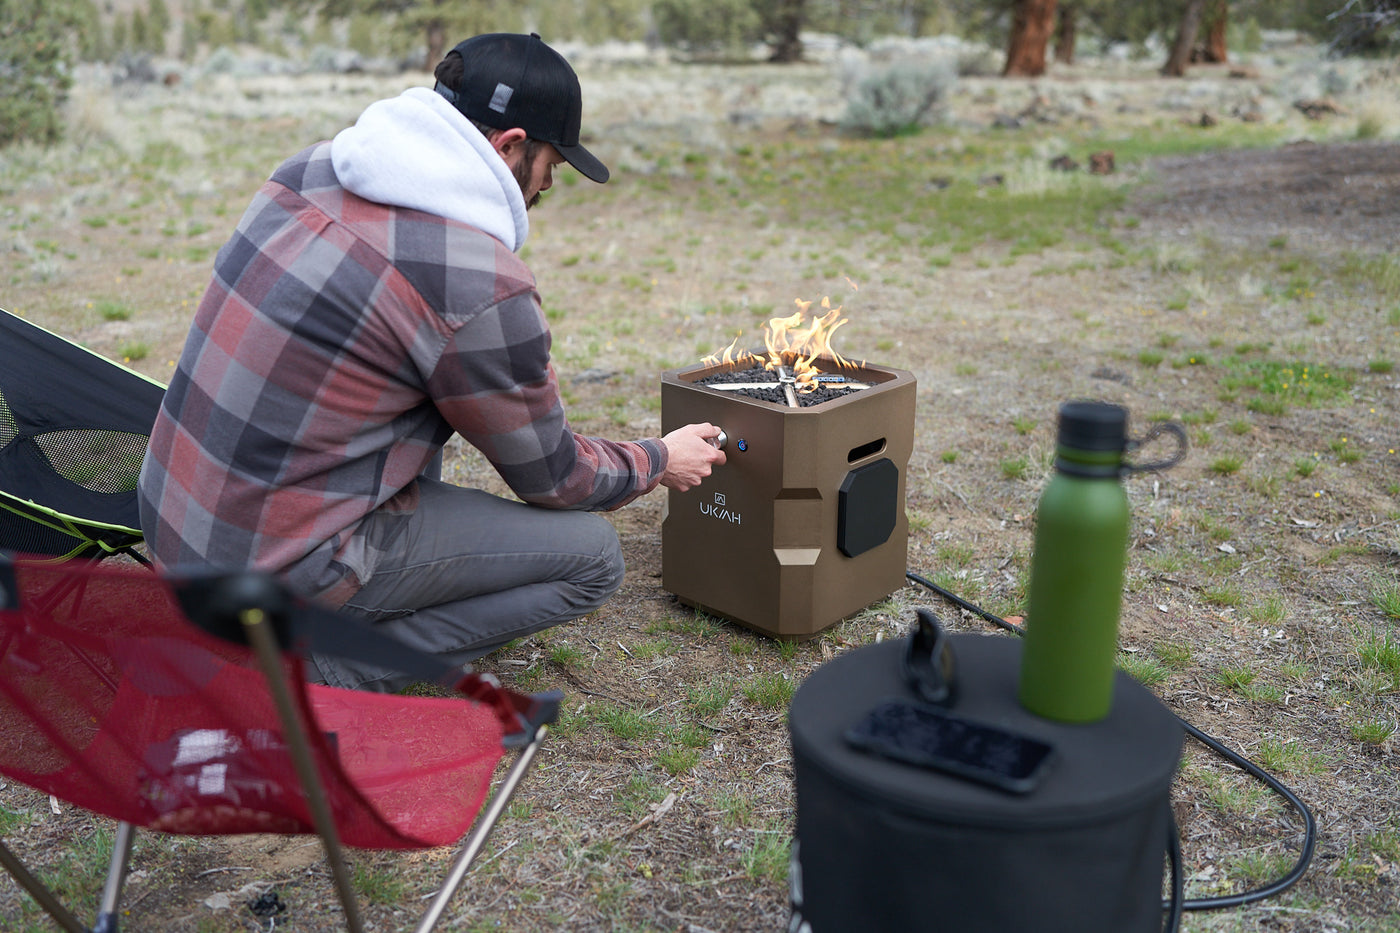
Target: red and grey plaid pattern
(338, 346)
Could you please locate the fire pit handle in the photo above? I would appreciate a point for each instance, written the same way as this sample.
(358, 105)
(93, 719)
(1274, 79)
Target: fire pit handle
(719, 440)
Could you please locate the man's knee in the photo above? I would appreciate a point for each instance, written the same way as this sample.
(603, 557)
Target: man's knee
(604, 574)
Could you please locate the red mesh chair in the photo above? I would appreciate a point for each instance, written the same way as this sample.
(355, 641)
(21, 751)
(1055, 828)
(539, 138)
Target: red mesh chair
(180, 706)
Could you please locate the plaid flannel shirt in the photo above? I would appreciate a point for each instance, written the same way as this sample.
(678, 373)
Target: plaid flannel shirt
(338, 346)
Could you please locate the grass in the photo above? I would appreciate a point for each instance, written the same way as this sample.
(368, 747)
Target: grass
(1253, 868)
(655, 648)
(1372, 732)
(771, 691)
(1145, 669)
(624, 723)
(1176, 656)
(1288, 757)
(1271, 611)
(1227, 465)
(1237, 677)
(708, 700)
(1385, 596)
(694, 624)
(638, 794)
(689, 735)
(676, 761)
(113, 310)
(814, 207)
(766, 857)
(1234, 796)
(1222, 595)
(1379, 651)
(1015, 467)
(379, 884)
(1346, 453)
(77, 875)
(565, 655)
(1277, 384)
(958, 554)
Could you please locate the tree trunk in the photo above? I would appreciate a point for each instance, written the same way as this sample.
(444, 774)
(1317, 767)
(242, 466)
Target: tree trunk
(1066, 32)
(1031, 25)
(437, 44)
(787, 27)
(916, 16)
(1185, 39)
(1215, 32)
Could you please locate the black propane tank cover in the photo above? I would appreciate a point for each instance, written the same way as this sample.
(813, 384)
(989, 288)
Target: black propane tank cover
(867, 507)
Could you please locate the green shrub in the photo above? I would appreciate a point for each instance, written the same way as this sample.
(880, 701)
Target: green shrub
(896, 98)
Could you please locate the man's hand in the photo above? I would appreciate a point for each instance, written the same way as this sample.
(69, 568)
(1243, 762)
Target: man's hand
(690, 455)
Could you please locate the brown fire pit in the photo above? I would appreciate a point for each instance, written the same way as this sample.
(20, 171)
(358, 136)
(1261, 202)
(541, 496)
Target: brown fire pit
(804, 525)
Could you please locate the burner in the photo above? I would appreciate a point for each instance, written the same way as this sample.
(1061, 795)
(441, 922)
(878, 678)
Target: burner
(781, 386)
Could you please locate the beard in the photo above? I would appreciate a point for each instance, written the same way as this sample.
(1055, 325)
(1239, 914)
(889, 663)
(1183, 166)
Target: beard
(524, 170)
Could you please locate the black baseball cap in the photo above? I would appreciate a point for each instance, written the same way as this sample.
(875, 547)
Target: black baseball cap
(511, 80)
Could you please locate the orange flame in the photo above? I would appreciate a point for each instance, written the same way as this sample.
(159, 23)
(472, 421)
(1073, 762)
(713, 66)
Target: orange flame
(795, 342)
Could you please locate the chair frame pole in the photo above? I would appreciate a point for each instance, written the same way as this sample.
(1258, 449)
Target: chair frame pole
(122, 843)
(61, 915)
(487, 822)
(299, 748)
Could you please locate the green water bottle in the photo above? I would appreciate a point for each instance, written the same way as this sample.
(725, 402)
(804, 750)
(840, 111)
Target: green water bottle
(1081, 546)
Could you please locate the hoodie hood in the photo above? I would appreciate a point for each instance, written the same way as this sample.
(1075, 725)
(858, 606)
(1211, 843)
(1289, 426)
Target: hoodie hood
(417, 151)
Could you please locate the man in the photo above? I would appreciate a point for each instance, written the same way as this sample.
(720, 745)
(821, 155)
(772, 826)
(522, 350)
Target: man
(369, 305)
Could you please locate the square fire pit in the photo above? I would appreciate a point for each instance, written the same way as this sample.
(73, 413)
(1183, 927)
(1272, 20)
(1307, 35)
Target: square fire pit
(804, 525)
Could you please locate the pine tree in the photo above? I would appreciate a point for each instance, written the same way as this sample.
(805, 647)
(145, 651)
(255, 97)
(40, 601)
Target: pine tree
(158, 25)
(39, 40)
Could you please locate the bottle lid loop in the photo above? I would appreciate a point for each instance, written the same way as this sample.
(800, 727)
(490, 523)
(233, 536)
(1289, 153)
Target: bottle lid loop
(1156, 431)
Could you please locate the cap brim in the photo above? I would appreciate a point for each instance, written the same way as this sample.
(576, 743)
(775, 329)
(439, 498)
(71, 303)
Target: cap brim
(586, 162)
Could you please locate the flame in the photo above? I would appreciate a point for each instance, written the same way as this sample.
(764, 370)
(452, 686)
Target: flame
(794, 342)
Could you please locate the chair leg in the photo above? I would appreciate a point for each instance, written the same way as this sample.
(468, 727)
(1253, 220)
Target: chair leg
(36, 888)
(294, 733)
(116, 878)
(487, 822)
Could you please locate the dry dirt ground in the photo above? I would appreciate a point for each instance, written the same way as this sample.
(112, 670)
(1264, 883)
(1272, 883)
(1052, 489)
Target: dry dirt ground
(676, 815)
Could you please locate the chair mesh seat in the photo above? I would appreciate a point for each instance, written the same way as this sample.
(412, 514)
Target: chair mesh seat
(112, 700)
(98, 461)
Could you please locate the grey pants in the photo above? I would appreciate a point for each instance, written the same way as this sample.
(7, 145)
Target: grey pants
(472, 571)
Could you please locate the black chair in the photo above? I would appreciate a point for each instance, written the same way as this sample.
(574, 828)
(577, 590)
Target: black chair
(73, 432)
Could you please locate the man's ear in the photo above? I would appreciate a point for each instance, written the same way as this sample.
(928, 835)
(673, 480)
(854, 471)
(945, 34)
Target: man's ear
(510, 144)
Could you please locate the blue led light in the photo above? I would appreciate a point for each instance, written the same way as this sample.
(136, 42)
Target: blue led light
(743, 445)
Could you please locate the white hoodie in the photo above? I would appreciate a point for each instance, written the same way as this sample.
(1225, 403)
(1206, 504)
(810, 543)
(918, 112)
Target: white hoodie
(417, 151)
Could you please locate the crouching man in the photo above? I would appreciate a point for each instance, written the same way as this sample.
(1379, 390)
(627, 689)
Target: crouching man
(369, 305)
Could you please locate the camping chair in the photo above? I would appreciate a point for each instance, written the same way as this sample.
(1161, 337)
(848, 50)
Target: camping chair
(180, 705)
(73, 430)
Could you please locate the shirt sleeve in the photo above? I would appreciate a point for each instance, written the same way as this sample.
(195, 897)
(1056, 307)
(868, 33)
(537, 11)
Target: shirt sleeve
(495, 385)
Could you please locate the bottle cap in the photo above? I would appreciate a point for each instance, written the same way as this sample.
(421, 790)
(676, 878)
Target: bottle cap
(1088, 425)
